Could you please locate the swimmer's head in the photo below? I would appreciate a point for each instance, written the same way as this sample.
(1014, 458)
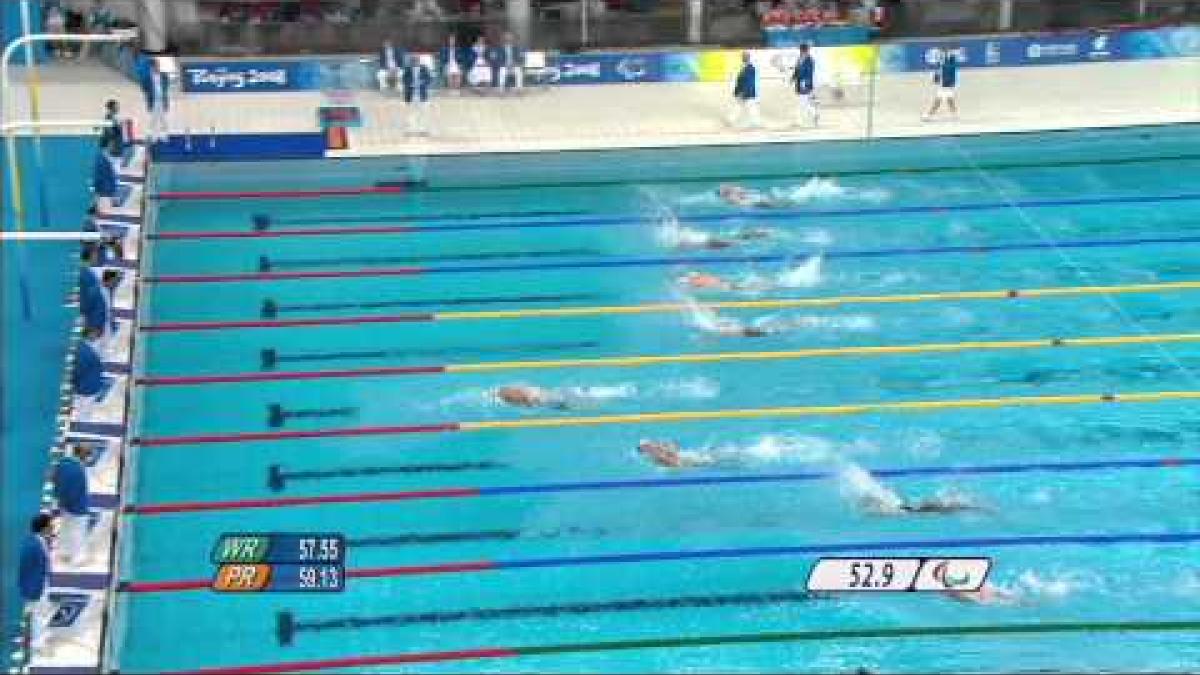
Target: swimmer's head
(751, 331)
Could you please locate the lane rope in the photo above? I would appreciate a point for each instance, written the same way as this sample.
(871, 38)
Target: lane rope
(664, 261)
(653, 360)
(670, 307)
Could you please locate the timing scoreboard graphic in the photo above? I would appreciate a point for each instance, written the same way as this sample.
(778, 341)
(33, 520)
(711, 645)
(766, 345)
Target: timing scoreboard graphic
(965, 575)
(280, 562)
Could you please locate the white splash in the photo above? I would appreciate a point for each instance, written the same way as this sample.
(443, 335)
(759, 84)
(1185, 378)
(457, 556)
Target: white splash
(689, 388)
(673, 234)
(707, 320)
(821, 238)
(600, 393)
(1033, 585)
(859, 486)
(805, 275)
(819, 189)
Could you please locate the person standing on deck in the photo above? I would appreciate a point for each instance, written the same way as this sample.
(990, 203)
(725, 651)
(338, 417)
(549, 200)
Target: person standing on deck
(156, 87)
(946, 79)
(745, 95)
(71, 493)
(416, 80)
(34, 577)
(804, 79)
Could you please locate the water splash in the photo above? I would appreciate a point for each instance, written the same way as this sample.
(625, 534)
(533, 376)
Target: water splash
(857, 485)
(805, 275)
(696, 388)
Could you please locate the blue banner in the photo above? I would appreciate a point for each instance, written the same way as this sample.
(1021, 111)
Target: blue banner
(1004, 52)
(266, 76)
(605, 68)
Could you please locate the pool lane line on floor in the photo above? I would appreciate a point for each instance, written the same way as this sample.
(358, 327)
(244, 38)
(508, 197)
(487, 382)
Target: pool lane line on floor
(925, 546)
(653, 483)
(287, 626)
(671, 416)
(665, 261)
(911, 632)
(266, 264)
(645, 360)
(671, 307)
(270, 358)
(272, 309)
(191, 195)
(277, 478)
(638, 219)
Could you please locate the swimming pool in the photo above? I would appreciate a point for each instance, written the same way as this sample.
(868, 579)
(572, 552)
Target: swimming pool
(1009, 320)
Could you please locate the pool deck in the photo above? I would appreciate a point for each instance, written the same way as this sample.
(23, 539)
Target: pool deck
(75, 644)
(1125, 93)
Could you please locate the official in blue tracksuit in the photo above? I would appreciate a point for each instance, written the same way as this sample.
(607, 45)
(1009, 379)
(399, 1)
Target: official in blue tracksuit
(113, 131)
(75, 517)
(479, 66)
(87, 377)
(104, 178)
(945, 78)
(156, 88)
(452, 62)
(745, 95)
(33, 577)
(417, 77)
(508, 60)
(391, 60)
(804, 78)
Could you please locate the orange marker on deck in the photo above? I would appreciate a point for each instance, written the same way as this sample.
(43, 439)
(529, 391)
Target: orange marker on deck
(242, 578)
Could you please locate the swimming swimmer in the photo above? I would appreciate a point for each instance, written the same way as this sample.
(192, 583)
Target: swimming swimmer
(986, 595)
(524, 396)
(745, 197)
(667, 454)
(707, 281)
(893, 505)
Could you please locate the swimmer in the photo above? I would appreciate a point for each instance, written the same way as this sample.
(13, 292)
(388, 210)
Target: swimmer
(704, 280)
(986, 595)
(524, 396)
(668, 455)
(745, 197)
(890, 504)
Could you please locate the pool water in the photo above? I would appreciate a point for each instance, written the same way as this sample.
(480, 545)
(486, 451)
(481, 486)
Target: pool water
(1008, 321)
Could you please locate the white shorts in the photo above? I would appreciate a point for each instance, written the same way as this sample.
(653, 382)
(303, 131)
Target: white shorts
(452, 68)
(480, 75)
(945, 93)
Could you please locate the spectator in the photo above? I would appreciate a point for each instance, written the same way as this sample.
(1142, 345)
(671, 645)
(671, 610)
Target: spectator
(56, 23)
(452, 62)
(745, 95)
(508, 59)
(426, 10)
(390, 60)
(99, 21)
(75, 516)
(417, 79)
(831, 16)
(104, 177)
(777, 17)
(479, 71)
(156, 87)
(34, 577)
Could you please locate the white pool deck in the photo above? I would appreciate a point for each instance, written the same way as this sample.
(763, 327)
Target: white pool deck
(563, 118)
(670, 114)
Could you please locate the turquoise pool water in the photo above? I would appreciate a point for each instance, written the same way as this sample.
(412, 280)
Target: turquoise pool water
(1090, 507)
(34, 281)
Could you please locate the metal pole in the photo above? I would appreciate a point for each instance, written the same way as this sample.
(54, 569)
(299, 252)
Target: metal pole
(583, 22)
(871, 94)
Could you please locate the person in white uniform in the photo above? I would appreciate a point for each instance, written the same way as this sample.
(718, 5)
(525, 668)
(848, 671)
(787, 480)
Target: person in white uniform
(388, 74)
(479, 71)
